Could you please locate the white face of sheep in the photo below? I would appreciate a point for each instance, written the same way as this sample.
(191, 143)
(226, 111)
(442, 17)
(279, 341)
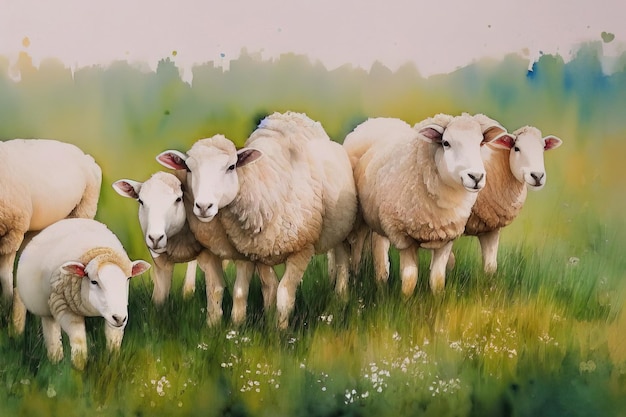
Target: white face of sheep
(212, 176)
(161, 209)
(106, 288)
(458, 158)
(526, 156)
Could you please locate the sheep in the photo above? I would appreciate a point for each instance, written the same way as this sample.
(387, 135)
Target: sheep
(73, 269)
(41, 181)
(511, 172)
(416, 187)
(163, 220)
(166, 232)
(287, 195)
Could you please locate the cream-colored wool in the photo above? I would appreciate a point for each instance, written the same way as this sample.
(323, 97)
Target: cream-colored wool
(403, 195)
(510, 172)
(297, 199)
(41, 181)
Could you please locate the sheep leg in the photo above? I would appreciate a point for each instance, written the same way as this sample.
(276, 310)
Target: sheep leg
(213, 273)
(114, 336)
(7, 262)
(332, 265)
(295, 266)
(380, 254)
(357, 240)
(19, 314)
(245, 270)
(162, 278)
(489, 247)
(438, 267)
(88, 204)
(269, 285)
(189, 286)
(52, 337)
(342, 256)
(74, 326)
(408, 270)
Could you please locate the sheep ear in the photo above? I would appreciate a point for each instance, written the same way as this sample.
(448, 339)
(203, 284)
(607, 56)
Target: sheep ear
(492, 132)
(127, 188)
(74, 268)
(173, 160)
(246, 156)
(503, 141)
(139, 267)
(551, 142)
(431, 133)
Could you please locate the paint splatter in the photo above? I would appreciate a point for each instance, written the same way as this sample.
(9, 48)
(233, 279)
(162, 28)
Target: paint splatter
(607, 37)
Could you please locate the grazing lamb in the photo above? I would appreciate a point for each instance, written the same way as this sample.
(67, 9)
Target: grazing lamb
(163, 220)
(73, 269)
(511, 171)
(288, 194)
(417, 185)
(166, 232)
(41, 181)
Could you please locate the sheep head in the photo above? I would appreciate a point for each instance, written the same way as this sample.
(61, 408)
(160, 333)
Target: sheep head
(457, 155)
(526, 154)
(212, 172)
(105, 286)
(161, 208)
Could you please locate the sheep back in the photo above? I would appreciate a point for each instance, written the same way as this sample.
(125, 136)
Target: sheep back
(401, 194)
(280, 204)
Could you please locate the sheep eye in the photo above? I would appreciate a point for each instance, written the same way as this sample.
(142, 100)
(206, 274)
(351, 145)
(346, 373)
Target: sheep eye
(140, 201)
(445, 144)
(231, 168)
(94, 282)
(179, 199)
(516, 149)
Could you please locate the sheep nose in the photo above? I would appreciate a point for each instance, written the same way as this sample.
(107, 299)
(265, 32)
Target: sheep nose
(476, 177)
(155, 239)
(537, 176)
(203, 208)
(119, 320)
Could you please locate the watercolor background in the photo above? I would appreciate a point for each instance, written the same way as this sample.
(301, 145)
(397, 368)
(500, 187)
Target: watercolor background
(126, 80)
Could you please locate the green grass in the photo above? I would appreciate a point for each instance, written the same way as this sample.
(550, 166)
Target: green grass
(538, 338)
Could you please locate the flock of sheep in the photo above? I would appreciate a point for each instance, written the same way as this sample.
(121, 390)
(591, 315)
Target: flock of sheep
(288, 194)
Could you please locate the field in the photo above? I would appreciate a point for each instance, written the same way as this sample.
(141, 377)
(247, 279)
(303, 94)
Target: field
(544, 336)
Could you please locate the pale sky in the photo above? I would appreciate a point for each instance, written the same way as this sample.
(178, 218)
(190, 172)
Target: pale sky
(437, 36)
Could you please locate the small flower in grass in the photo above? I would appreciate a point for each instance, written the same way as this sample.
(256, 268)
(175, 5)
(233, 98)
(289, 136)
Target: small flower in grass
(51, 392)
(573, 261)
(589, 366)
(396, 336)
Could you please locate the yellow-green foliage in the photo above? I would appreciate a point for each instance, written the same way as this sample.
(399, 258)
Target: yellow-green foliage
(544, 336)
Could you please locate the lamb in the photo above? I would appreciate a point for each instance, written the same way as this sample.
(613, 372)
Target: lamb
(163, 220)
(417, 185)
(166, 232)
(73, 269)
(510, 175)
(41, 181)
(287, 195)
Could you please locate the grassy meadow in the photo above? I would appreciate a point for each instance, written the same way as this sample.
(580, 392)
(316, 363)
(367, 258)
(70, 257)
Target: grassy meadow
(544, 336)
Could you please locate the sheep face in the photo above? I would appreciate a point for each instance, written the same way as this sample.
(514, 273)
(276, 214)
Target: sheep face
(212, 172)
(526, 156)
(161, 208)
(105, 288)
(457, 156)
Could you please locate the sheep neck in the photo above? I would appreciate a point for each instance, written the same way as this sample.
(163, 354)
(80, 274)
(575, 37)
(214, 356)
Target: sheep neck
(502, 198)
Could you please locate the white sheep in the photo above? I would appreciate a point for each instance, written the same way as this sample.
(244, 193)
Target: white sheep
(73, 269)
(288, 194)
(163, 220)
(416, 187)
(41, 181)
(511, 172)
